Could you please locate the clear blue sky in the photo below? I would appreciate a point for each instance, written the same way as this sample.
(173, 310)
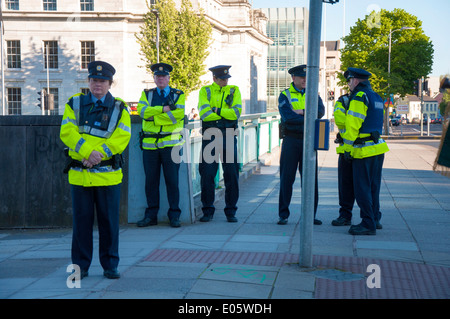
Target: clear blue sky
(432, 13)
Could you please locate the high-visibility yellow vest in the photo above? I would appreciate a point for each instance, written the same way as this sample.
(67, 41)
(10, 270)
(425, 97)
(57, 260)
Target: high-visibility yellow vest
(226, 99)
(84, 134)
(160, 129)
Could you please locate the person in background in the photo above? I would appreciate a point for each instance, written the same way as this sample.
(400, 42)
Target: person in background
(220, 107)
(291, 104)
(364, 147)
(162, 113)
(345, 175)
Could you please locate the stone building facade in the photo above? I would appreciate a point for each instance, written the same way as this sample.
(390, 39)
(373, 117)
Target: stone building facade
(74, 32)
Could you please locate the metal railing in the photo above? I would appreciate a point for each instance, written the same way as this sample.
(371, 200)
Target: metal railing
(257, 135)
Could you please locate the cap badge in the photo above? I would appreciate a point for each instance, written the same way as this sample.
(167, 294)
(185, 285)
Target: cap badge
(161, 68)
(99, 68)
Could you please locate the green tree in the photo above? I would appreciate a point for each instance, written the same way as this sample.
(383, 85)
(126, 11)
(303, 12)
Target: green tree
(184, 40)
(367, 47)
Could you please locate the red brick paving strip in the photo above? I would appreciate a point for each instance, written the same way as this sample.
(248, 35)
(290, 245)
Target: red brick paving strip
(399, 280)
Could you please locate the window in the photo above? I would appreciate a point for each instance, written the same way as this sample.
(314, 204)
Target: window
(49, 5)
(85, 91)
(87, 5)
(87, 53)
(14, 101)
(55, 92)
(51, 54)
(12, 4)
(13, 54)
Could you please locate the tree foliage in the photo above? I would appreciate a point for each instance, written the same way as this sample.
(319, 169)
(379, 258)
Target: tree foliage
(367, 47)
(183, 42)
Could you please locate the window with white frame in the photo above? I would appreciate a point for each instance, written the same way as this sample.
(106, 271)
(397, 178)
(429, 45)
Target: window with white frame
(51, 54)
(14, 101)
(87, 53)
(55, 92)
(87, 5)
(12, 4)
(49, 5)
(13, 54)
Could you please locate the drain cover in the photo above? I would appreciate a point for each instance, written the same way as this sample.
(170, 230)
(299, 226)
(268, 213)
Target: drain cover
(337, 275)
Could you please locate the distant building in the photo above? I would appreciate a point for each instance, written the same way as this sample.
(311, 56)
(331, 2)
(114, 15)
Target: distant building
(288, 28)
(410, 107)
(59, 39)
(329, 89)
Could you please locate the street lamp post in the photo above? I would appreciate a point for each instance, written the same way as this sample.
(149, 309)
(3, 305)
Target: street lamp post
(386, 117)
(156, 13)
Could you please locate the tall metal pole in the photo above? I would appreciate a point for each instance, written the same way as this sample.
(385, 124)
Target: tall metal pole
(309, 154)
(48, 81)
(2, 31)
(156, 13)
(386, 114)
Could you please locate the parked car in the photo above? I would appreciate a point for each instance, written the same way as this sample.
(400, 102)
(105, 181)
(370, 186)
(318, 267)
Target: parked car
(415, 120)
(437, 120)
(395, 121)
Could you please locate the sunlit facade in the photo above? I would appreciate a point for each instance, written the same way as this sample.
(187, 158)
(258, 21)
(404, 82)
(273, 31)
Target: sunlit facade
(288, 28)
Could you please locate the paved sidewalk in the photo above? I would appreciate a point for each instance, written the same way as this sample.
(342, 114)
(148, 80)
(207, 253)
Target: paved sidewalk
(256, 258)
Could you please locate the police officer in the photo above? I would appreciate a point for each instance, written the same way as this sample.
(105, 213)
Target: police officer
(291, 104)
(96, 129)
(364, 147)
(219, 107)
(162, 113)
(345, 175)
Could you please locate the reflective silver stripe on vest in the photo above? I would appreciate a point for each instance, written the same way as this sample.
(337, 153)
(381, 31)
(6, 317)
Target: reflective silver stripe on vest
(288, 95)
(93, 131)
(147, 104)
(208, 93)
(76, 107)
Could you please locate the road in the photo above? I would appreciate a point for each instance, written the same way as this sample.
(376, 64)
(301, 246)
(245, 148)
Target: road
(414, 129)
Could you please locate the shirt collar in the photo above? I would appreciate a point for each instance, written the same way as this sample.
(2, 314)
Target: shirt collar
(302, 91)
(166, 91)
(94, 99)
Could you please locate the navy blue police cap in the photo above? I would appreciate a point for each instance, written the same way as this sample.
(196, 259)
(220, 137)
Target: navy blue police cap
(101, 70)
(221, 71)
(161, 68)
(357, 73)
(299, 70)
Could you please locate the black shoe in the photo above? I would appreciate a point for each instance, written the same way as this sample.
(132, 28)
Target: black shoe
(83, 273)
(341, 221)
(175, 223)
(361, 230)
(317, 222)
(378, 225)
(231, 219)
(147, 221)
(282, 221)
(111, 273)
(206, 218)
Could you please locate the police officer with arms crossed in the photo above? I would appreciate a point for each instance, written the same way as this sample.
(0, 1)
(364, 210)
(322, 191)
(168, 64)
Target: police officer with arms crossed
(364, 147)
(162, 113)
(291, 104)
(96, 128)
(220, 107)
(345, 174)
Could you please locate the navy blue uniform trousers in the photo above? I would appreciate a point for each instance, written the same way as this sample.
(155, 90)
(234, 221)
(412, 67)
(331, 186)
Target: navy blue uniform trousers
(366, 184)
(208, 172)
(105, 200)
(345, 188)
(291, 159)
(153, 160)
